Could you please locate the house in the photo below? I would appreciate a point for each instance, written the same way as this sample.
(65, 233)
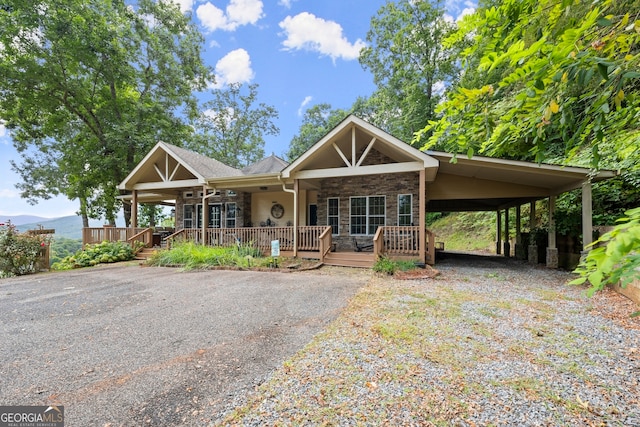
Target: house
(356, 190)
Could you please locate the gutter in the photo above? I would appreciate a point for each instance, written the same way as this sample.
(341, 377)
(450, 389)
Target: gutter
(295, 214)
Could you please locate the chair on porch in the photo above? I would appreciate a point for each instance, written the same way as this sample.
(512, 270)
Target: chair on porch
(357, 247)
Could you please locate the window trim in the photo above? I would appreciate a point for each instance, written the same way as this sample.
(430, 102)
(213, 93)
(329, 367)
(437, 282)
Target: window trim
(337, 216)
(410, 215)
(367, 214)
(227, 218)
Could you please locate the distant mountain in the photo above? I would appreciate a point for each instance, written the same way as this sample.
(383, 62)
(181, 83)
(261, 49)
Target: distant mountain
(66, 226)
(23, 219)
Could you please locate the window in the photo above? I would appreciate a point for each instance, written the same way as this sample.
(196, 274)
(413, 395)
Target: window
(333, 214)
(231, 215)
(405, 209)
(187, 218)
(214, 216)
(367, 214)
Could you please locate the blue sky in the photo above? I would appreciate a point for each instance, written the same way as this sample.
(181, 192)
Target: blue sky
(299, 52)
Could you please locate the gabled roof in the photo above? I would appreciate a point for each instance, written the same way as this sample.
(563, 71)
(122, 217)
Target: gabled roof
(271, 164)
(205, 166)
(344, 150)
(167, 163)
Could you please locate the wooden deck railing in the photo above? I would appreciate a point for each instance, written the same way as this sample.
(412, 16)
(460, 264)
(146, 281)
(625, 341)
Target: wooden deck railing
(92, 235)
(260, 237)
(145, 236)
(403, 241)
(325, 242)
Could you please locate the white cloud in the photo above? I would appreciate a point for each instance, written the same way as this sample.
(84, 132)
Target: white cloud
(305, 102)
(456, 9)
(234, 67)
(9, 193)
(237, 13)
(439, 87)
(286, 3)
(185, 5)
(305, 31)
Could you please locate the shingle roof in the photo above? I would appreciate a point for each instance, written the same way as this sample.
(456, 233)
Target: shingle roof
(269, 164)
(205, 166)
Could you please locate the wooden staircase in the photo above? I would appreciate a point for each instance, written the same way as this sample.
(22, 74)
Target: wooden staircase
(350, 259)
(145, 253)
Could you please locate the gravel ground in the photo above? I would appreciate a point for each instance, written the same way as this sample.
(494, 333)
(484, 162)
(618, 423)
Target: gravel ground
(131, 346)
(490, 341)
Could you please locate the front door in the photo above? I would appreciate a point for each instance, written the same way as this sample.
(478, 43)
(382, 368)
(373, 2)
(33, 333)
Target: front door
(313, 214)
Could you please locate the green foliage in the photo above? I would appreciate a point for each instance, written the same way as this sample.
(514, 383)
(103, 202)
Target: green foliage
(316, 123)
(233, 125)
(409, 63)
(20, 253)
(545, 79)
(616, 257)
(190, 255)
(466, 230)
(100, 253)
(62, 248)
(89, 86)
(388, 266)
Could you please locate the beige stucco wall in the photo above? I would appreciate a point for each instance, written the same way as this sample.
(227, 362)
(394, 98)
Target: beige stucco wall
(261, 207)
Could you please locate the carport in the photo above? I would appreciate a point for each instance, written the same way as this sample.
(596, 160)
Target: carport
(488, 184)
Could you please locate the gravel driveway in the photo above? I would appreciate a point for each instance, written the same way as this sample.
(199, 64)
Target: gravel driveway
(128, 345)
(489, 342)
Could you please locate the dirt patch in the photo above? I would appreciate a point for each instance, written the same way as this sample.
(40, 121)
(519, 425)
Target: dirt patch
(419, 273)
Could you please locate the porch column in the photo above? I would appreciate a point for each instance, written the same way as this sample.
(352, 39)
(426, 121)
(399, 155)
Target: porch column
(498, 231)
(134, 209)
(533, 247)
(205, 215)
(422, 219)
(552, 250)
(587, 216)
(296, 189)
(507, 243)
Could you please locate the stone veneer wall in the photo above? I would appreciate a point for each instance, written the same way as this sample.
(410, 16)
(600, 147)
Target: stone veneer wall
(389, 185)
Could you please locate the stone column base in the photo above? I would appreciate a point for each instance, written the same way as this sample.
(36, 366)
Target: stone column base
(520, 252)
(533, 254)
(507, 249)
(552, 257)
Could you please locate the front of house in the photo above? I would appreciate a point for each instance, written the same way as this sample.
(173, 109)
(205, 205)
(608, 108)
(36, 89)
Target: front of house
(358, 189)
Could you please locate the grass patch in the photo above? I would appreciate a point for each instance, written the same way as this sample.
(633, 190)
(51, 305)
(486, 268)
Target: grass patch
(191, 256)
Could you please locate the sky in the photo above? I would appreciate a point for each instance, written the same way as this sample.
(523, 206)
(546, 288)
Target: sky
(299, 52)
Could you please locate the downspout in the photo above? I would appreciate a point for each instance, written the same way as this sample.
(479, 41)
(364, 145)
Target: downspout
(295, 214)
(205, 196)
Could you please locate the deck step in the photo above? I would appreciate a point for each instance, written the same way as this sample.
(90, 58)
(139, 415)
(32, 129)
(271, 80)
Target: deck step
(350, 259)
(145, 253)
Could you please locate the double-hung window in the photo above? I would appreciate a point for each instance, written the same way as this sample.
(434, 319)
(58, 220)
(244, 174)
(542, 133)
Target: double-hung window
(405, 209)
(333, 215)
(187, 217)
(231, 215)
(366, 214)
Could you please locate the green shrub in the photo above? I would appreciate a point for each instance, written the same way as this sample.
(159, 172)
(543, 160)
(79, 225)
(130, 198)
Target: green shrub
(385, 265)
(20, 253)
(100, 253)
(191, 255)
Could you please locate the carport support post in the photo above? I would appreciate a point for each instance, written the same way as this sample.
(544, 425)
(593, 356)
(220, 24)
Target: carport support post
(533, 247)
(519, 249)
(552, 250)
(587, 216)
(507, 243)
(422, 208)
(498, 231)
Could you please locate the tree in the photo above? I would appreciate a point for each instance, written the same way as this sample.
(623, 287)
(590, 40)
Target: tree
(561, 81)
(89, 86)
(316, 123)
(231, 129)
(410, 66)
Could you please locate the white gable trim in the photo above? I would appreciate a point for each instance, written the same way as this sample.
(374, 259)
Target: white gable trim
(166, 176)
(378, 137)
